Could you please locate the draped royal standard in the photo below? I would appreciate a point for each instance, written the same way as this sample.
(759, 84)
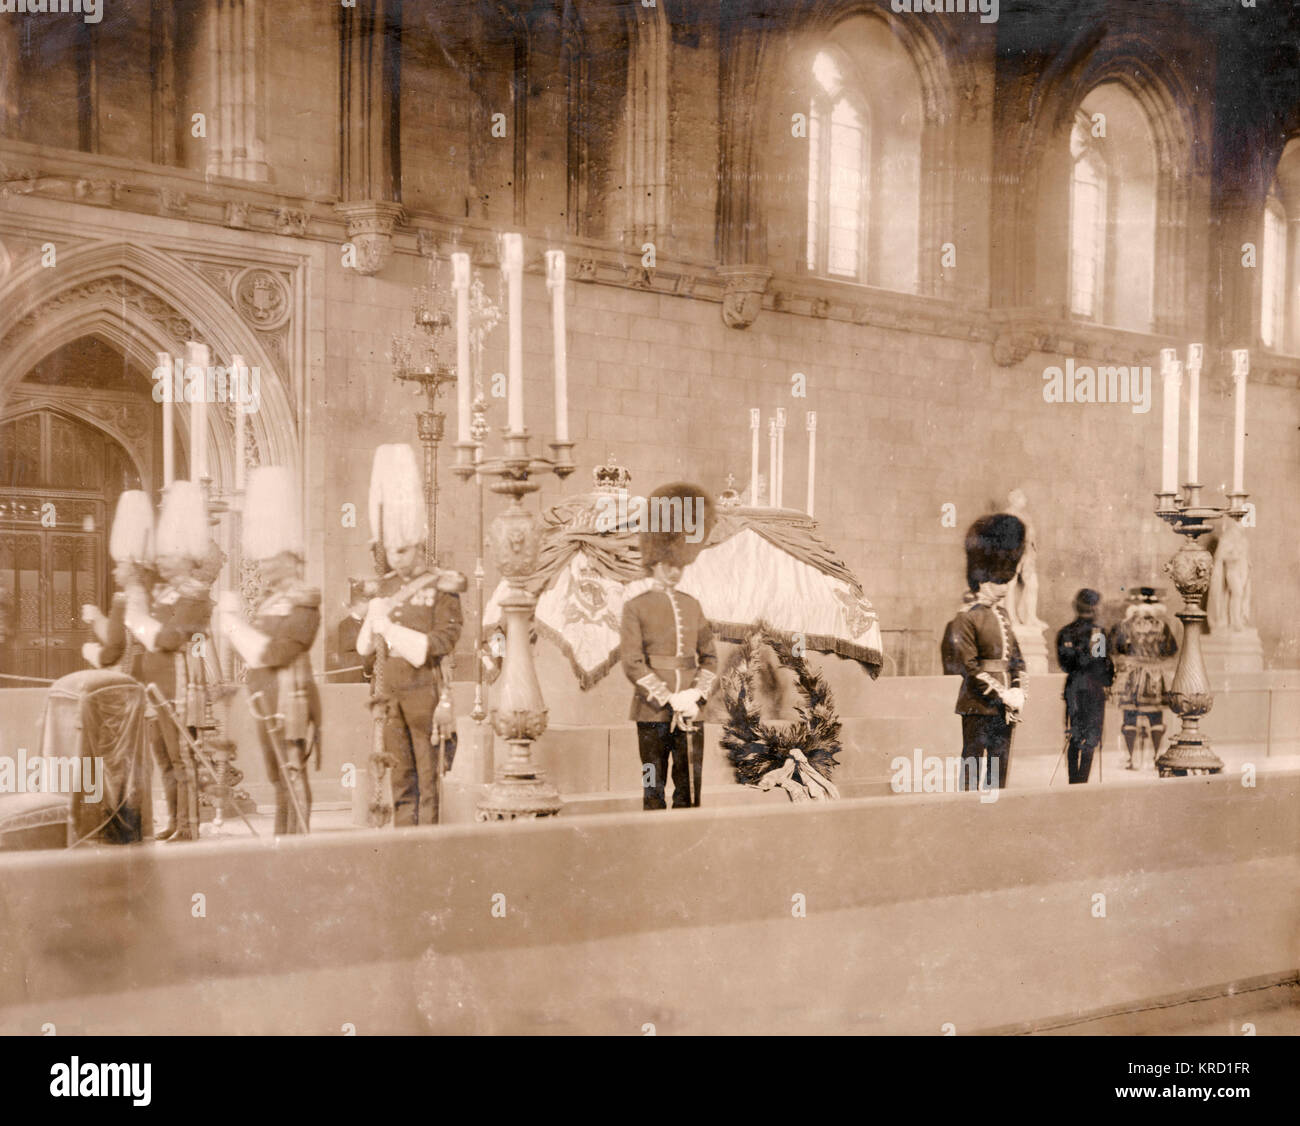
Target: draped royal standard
(759, 565)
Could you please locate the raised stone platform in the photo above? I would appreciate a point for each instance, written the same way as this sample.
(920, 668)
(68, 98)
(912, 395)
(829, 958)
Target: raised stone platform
(872, 915)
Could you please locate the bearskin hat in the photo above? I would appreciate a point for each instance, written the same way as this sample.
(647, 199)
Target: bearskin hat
(131, 540)
(672, 510)
(1085, 602)
(183, 523)
(994, 545)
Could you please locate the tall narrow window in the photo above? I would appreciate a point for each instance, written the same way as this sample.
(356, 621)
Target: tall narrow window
(1112, 233)
(1087, 222)
(1272, 321)
(837, 175)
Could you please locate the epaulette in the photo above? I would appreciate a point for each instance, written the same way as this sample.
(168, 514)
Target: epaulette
(452, 582)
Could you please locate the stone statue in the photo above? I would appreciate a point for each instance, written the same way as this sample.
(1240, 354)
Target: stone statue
(1228, 602)
(1022, 598)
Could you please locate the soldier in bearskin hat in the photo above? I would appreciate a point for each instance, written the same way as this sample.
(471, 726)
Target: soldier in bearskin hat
(417, 617)
(1143, 646)
(131, 547)
(980, 645)
(173, 627)
(276, 644)
(1081, 651)
(667, 649)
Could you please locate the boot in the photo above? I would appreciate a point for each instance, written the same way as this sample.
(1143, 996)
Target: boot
(167, 833)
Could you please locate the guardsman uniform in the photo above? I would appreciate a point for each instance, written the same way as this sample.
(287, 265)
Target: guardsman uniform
(667, 652)
(417, 616)
(1143, 645)
(276, 644)
(980, 645)
(1081, 652)
(424, 624)
(131, 548)
(172, 624)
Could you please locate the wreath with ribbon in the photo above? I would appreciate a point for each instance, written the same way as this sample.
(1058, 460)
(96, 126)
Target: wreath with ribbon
(796, 757)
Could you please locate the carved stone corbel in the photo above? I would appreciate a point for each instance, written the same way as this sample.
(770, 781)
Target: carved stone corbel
(370, 231)
(743, 299)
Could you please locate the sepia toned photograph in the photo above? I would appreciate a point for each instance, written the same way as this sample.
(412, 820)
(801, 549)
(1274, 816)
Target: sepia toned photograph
(650, 518)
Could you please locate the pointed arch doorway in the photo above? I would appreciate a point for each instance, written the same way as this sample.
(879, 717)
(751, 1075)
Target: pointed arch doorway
(78, 432)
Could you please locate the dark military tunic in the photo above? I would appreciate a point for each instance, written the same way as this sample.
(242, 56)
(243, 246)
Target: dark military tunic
(289, 618)
(667, 647)
(980, 646)
(430, 606)
(1081, 653)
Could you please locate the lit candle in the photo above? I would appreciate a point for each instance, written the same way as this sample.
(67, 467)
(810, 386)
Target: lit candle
(555, 283)
(771, 463)
(196, 370)
(1194, 352)
(811, 423)
(237, 376)
(460, 285)
(1173, 383)
(755, 423)
(512, 262)
(780, 457)
(166, 365)
(1240, 370)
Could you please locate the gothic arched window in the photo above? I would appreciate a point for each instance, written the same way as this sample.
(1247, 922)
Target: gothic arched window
(1112, 244)
(839, 142)
(862, 208)
(1087, 221)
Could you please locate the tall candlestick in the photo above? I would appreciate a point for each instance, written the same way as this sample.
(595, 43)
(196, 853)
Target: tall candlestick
(1173, 384)
(780, 457)
(1240, 370)
(755, 422)
(555, 283)
(811, 422)
(771, 463)
(237, 377)
(460, 285)
(196, 369)
(512, 262)
(1194, 353)
(167, 364)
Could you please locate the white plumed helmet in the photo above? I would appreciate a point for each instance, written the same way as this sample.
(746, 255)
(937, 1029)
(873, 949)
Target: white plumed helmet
(272, 520)
(131, 540)
(183, 523)
(397, 513)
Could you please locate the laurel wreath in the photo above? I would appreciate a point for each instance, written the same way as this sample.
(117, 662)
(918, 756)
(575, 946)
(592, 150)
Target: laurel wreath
(755, 748)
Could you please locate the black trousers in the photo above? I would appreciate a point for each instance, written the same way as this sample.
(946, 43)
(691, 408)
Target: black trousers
(295, 752)
(985, 752)
(657, 743)
(408, 732)
(1085, 718)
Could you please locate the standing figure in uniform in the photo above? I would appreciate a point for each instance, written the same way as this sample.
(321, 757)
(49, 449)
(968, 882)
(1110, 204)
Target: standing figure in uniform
(276, 644)
(1143, 644)
(417, 617)
(980, 645)
(173, 627)
(667, 651)
(131, 547)
(1089, 671)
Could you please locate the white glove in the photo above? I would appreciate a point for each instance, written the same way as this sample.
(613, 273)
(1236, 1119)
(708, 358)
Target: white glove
(90, 613)
(90, 653)
(1014, 698)
(228, 602)
(687, 701)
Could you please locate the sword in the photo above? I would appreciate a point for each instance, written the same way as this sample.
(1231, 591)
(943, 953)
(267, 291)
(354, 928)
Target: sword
(160, 701)
(290, 773)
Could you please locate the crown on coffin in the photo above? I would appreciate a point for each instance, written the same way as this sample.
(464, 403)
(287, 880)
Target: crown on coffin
(729, 498)
(610, 477)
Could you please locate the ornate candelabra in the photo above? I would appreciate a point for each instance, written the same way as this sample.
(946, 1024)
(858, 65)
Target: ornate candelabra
(1190, 696)
(479, 431)
(519, 717)
(419, 362)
